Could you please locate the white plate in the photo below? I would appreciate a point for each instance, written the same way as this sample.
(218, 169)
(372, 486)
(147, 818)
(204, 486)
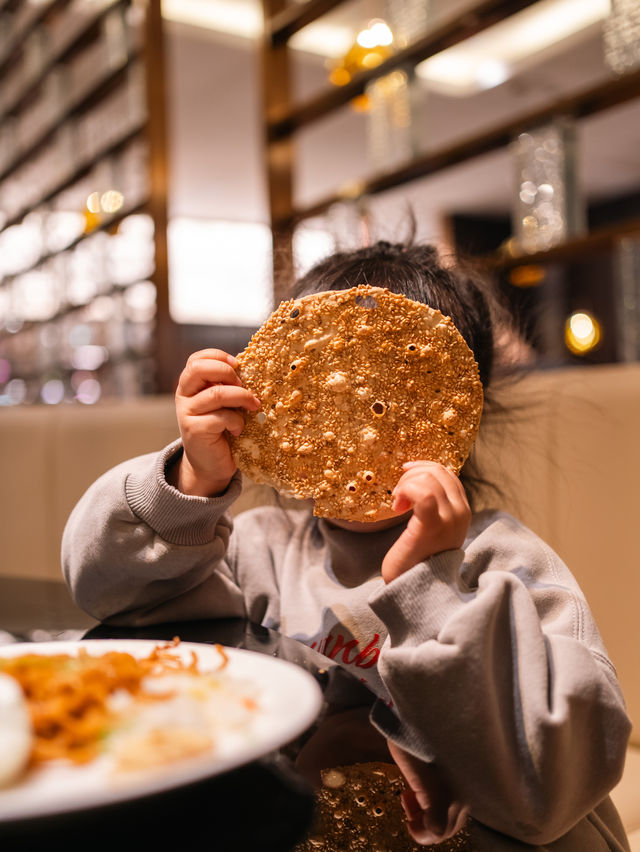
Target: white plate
(289, 701)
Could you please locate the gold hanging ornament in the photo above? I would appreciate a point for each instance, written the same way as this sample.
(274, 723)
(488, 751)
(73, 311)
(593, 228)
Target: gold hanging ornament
(373, 45)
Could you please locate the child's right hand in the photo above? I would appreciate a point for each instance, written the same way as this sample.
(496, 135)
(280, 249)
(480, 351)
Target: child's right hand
(208, 397)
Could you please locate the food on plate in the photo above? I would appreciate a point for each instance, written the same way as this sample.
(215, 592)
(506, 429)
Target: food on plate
(15, 730)
(140, 711)
(358, 808)
(354, 383)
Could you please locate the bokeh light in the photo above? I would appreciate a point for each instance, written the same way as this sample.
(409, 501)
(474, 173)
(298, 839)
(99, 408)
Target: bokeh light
(52, 392)
(582, 332)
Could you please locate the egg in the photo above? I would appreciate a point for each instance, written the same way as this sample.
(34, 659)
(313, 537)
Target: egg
(15, 730)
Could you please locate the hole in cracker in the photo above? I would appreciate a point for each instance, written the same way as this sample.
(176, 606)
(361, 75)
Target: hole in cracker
(412, 347)
(352, 487)
(366, 302)
(295, 313)
(378, 408)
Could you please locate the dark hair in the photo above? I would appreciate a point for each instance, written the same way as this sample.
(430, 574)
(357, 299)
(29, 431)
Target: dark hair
(416, 271)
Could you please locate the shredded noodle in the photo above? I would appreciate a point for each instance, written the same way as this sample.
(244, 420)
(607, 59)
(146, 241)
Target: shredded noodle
(68, 695)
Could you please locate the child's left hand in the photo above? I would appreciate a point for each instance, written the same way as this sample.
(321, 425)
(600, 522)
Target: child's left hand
(433, 813)
(440, 518)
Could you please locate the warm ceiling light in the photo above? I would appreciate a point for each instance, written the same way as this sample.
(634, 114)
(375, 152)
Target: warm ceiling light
(93, 202)
(377, 34)
(582, 332)
(111, 201)
(489, 58)
(373, 45)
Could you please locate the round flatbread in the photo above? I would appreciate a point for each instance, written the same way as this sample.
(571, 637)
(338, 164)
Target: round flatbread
(354, 383)
(359, 807)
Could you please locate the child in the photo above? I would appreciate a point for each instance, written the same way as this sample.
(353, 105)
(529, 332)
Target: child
(494, 689)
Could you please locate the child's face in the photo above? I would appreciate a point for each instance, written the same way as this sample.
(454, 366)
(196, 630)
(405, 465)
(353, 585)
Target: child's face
(375, 526)
(359, 526)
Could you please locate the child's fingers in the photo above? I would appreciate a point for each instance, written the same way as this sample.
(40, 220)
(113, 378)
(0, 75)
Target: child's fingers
(439, 521)
(430, 828)
(416, 773)
(421, 479)
(417, 487)
(204, 368)
(433, 814)
(216, 354)
(449, 480)
(407, 551)
(216, 397)
(215, 423)
(410, 806)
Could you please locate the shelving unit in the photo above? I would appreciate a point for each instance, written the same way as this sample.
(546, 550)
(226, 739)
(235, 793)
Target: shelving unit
(83, 184)
(283, 119)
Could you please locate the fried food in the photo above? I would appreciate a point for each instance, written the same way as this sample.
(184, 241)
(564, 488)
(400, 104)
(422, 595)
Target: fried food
(70, 698)
(354, 383)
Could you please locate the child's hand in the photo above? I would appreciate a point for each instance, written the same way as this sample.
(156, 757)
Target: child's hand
(440, 519)
(433, 814)
(208, 397)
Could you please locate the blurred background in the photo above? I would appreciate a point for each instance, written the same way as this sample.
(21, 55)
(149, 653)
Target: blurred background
(167, 168)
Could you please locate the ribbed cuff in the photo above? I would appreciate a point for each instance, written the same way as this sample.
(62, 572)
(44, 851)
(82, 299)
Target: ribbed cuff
(415, 605)
(178, 518)
(392, 728)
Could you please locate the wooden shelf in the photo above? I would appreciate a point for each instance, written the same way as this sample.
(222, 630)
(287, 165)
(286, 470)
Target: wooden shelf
(77, 41)
(89, 99)
(487, 13)
(65, 311)
(36, 21)
(57, 366)
(105, 225)
(281, 26)
(587, 102)
(146, 125)
(80, 172)
(283, 119)
(571, 249)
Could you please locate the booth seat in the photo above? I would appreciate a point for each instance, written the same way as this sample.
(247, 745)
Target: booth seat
(570, 453)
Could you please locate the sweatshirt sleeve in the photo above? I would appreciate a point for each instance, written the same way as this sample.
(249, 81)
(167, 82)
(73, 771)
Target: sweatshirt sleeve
(498, 674)
(137, 551)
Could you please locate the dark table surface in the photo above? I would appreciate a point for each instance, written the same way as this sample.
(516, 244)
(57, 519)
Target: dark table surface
(266, 805)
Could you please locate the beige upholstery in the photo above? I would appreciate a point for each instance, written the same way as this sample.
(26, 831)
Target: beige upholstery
(50, 455)
(572, 456)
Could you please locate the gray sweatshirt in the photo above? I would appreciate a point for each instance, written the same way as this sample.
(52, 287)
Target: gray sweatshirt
(485, 659)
